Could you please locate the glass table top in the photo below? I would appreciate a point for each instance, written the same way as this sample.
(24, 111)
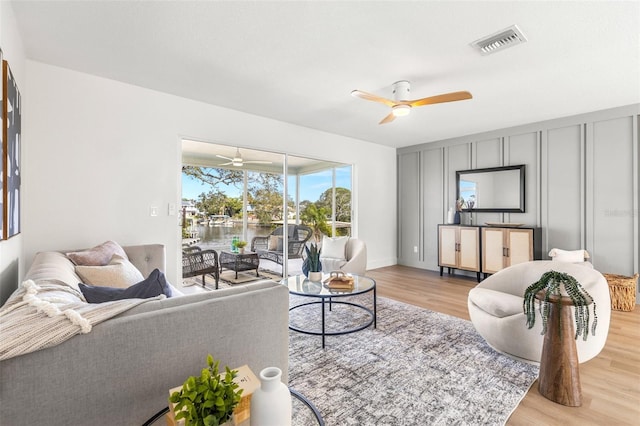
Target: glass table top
(302, 286)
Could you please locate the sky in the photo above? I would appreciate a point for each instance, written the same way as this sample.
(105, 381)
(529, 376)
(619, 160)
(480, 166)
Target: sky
(311, 186)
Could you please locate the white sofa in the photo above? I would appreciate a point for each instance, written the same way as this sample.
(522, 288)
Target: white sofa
(353, 262)
(496, 309)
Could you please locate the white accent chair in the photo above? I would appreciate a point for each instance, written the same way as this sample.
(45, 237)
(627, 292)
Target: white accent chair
(496, 309)
(353, 262)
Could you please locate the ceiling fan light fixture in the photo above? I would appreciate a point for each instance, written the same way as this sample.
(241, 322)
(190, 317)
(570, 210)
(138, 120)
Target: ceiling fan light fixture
(401, 110)
(237, 159)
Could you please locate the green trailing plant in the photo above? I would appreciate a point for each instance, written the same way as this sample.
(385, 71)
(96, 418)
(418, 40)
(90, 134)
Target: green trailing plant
(241, 244)
(313, 258)
(207, 400)
(551, 283)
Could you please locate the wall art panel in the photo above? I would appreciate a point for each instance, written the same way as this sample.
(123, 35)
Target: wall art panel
(2, 154)
(11, 129)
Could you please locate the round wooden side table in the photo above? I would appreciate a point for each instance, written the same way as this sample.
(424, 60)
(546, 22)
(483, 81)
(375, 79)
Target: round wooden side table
(559, 378)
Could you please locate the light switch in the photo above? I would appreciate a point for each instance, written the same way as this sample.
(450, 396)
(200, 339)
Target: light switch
(153, 211)
(171, 209)
(415, 249)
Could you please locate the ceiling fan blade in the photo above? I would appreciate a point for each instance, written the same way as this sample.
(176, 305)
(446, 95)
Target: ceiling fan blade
(257, 162)
(447, 97)
(370, 97)
(222, 156)
(225, 164)
(388, 119)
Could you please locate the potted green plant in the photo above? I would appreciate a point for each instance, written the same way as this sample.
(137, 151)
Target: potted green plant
(549, 286)
(207, 400)
(241, 245)
(311, 265)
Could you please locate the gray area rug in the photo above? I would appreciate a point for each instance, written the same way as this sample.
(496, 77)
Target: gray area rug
(417, 368)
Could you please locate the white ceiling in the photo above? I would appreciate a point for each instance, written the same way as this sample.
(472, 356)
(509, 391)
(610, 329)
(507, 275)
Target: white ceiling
(298, 61)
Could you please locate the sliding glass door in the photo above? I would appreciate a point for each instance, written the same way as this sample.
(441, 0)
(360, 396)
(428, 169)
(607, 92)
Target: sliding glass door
(239, 194)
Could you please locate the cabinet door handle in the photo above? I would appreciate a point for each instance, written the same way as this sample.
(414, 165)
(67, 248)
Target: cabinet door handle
(508, 254)
(504, 252)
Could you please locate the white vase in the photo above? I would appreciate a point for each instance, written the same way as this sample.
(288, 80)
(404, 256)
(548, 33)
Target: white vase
(450, 216)
(315, 276)
(271, 403)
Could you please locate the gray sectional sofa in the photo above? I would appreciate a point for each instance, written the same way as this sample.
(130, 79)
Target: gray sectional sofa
(120, 372)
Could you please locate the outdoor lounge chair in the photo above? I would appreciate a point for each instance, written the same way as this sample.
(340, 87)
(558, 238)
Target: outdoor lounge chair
(270, 247)
(196, 261)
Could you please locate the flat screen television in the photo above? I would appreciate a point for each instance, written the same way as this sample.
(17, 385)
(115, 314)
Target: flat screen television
(494, 189)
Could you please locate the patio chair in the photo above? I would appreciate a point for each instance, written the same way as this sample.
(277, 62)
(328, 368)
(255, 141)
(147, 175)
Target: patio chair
(270, 247)
(196, 261)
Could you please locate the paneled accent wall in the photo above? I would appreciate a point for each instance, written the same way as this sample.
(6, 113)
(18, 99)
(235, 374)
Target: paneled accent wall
(410, 194)
(610, 213)
(433, 207)
(562, 208)
(582, 186)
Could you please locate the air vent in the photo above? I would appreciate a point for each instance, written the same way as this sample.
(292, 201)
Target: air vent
(500, 40)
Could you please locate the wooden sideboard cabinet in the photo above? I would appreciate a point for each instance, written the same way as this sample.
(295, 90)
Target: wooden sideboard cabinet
(459, 248)
(486, 249)
(503, 247)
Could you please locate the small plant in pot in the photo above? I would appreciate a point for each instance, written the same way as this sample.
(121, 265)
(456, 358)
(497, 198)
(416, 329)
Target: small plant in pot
(311, 265)
(549, 287)
(207, 400)
(241, 245)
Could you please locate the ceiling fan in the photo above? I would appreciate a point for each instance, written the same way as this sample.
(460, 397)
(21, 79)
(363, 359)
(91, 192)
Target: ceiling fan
(401, 106)
(237, 160)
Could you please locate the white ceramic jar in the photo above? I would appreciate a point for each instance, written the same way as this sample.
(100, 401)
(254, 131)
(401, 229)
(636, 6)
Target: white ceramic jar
(271, 403)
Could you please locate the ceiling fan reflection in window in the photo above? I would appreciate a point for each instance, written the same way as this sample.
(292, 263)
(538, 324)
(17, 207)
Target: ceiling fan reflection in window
(237, 160)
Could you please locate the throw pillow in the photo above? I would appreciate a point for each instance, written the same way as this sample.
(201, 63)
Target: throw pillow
(275, 243)
(571, 256)
(97, 256)
(118, 273)
(335, 248)
(155, 285)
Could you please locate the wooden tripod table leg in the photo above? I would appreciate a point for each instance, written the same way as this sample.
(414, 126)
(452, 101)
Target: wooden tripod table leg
(559, 378)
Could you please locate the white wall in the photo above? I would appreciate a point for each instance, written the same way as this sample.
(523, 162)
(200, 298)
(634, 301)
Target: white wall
(100, 152)
(13, 53)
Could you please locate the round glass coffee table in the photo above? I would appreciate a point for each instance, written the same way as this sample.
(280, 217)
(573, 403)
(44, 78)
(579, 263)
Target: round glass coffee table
(326, 298)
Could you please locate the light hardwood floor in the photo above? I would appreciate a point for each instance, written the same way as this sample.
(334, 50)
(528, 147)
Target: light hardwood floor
(610, 381)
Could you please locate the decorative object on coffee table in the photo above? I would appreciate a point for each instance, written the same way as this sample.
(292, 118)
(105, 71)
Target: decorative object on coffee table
(271, 403)
(311, 265)
(339, 280)
(208, 399)
(557, 292)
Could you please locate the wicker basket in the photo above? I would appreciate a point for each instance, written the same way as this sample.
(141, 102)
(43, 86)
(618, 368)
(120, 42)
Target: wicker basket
(623, 291)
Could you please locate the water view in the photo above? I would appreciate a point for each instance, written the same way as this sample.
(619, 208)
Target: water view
(219, 237)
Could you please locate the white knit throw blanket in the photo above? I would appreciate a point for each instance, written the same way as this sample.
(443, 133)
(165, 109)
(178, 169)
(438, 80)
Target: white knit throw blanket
(44, 314)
